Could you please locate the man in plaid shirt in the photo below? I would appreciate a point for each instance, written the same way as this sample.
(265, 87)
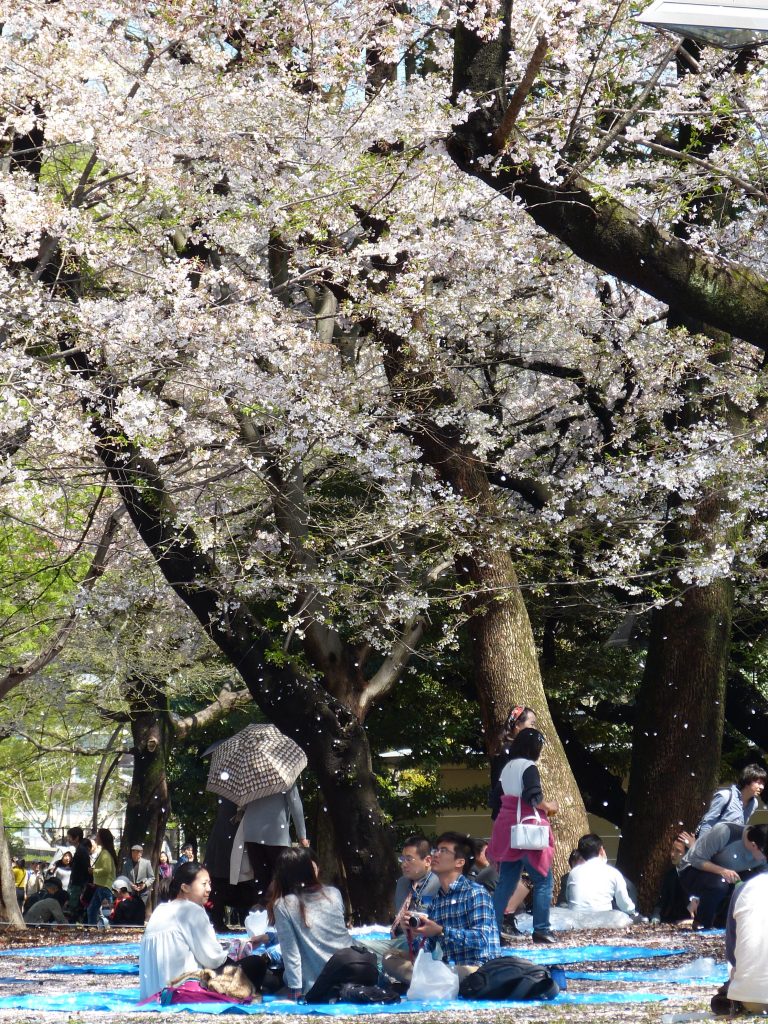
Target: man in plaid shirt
(461, 917)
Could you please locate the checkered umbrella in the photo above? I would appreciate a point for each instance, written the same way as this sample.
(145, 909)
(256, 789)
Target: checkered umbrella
(257, 761)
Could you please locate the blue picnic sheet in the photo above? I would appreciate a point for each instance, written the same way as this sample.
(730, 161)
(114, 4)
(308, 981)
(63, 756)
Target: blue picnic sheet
(536, 954)
(586, 954)
(91, 969)
(107, 949)
(126, 1001)
(704, 971)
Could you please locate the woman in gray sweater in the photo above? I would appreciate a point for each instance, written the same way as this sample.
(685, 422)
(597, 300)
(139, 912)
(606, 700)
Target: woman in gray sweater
(319, 954)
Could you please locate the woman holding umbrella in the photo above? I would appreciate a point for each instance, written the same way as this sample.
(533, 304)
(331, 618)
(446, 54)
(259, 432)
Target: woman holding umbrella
(266, 832)
(257, 770)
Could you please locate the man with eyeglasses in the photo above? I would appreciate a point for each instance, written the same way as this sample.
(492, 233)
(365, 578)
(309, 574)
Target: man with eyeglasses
(418, 883)
(413, 895)
(461, 917)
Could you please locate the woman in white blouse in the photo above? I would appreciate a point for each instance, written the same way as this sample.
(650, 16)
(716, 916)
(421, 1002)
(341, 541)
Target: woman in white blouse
(179, 937)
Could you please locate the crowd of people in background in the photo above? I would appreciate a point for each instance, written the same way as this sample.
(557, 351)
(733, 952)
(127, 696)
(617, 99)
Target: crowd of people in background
(85, 884)
(457, 895)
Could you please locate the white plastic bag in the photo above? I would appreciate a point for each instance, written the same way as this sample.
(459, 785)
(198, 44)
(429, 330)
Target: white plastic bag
(432, 979)
(256, 922)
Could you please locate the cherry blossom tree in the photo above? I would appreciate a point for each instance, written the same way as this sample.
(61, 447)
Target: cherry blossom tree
(361, 349)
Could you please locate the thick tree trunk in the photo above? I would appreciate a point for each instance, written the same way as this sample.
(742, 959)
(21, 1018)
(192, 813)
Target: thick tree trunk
(149, 802)
(507, 673)
(506, 661)
(678, 730)
(9, 906)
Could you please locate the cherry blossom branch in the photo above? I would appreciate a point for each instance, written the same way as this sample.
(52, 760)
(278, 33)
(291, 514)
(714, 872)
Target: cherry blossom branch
(623, 121)
(503, 132)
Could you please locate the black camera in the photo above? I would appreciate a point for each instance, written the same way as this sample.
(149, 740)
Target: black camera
(413, 921)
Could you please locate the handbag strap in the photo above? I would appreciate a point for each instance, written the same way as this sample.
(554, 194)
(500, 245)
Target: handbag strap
(520, 794)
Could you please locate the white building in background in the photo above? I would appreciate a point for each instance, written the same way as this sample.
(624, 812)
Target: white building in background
(41, 833)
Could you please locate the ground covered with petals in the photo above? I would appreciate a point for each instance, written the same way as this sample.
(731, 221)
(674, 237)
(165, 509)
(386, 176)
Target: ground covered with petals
(681, 997)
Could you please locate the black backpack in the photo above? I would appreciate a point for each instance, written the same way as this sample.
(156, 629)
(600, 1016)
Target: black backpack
(509, 977)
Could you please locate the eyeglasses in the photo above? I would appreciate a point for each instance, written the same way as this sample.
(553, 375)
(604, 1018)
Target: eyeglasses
(445, 849)
(407, 859)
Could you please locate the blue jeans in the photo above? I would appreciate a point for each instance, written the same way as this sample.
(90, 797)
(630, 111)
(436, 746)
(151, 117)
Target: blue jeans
(100, 893)
(509, 876)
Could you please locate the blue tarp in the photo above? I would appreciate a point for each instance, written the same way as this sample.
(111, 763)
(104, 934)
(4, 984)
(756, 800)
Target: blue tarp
(536, 954)
(713, 974)
(125, 1001)
(586, 954)
(91, 969)
(110, 949)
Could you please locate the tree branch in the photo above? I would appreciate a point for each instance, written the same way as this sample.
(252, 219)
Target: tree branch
(225, 701)
(98, 564)
(382, 681)
(608, 234)
(519, 96)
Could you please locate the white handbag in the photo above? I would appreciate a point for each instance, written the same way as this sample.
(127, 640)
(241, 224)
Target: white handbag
(530, 832)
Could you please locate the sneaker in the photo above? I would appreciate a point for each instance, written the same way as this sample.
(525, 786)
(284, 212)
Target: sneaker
(543, 937)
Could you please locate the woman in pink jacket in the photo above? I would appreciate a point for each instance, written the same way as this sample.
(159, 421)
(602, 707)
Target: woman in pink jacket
(521, 783)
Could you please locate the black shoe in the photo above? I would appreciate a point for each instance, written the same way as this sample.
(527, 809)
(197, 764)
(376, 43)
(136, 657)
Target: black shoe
(543, 937)
(509, 925)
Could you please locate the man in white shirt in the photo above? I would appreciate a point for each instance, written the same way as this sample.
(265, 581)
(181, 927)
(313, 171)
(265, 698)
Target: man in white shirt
(746, 938)
(594, 885)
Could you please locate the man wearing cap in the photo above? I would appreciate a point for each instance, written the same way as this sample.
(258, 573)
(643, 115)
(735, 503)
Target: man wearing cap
(46, 906)
(138, 871)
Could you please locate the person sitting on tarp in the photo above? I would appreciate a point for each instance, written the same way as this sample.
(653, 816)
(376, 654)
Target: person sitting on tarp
(720, 859)
(672, 905)
(47, 906)
(594, 886)
(127, 907)
(746, 939)
(179, 939)
(461, 916)
(483, 871)
(319, 954)
(414, 892)
(574, 858)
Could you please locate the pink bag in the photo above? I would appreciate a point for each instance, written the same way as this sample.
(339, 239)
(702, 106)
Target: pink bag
(189, 991)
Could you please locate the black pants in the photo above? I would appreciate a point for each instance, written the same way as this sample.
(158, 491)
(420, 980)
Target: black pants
(263, 859)
(713, 892)
(353, 966)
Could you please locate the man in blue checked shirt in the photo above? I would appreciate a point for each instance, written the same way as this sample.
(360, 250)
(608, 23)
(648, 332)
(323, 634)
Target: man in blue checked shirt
(461, 917)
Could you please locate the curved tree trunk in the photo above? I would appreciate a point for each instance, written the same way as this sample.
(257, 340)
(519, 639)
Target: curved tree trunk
(678, 730)
(331, 734)
(507, 673)
(506, 660)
